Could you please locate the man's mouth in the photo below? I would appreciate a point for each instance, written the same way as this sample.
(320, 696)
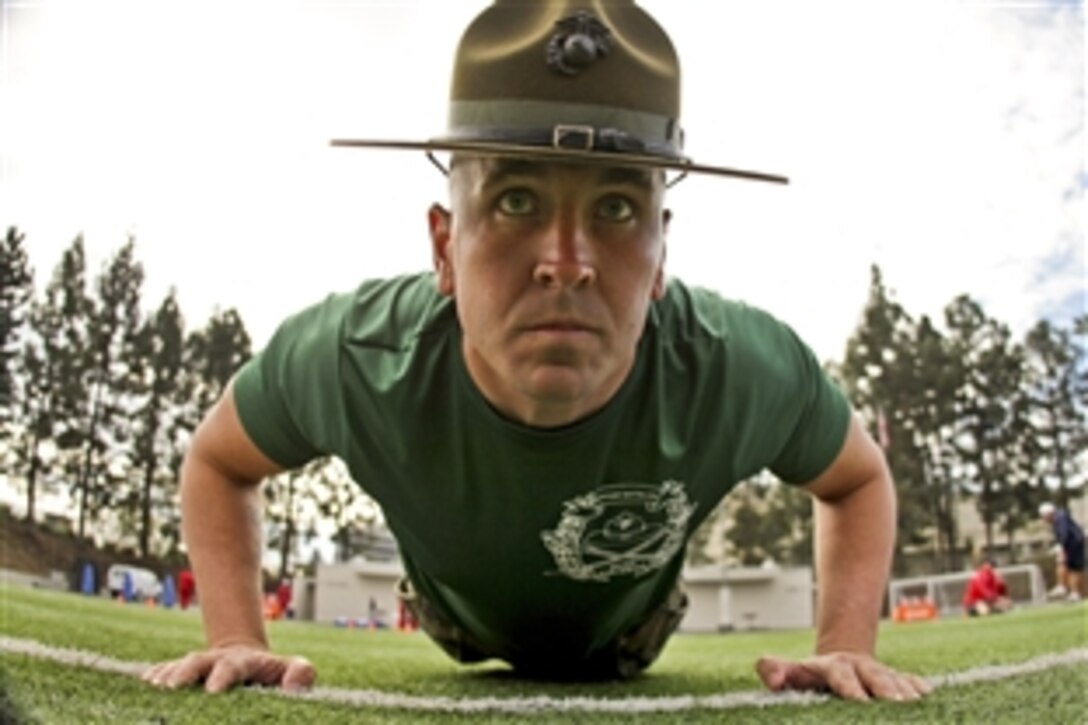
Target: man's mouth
(560, 326)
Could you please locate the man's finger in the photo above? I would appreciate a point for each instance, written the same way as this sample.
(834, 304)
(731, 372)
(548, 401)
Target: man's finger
(151, 674)
(225, 673)
(842, 677)
(889, 684)
(906, 687)
(186, 671)
(176, 673)
(920, 686)
(772, 672)
(846, 674)
(910, 686)
(300, 674)
(883, 683)
(779, 674)
(851, 677)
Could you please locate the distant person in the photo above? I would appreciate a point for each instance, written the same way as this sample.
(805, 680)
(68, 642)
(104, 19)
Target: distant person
(545, 417)
(406, 620)
(186, 588)
(128, 589)
(986, 593)
(1070, 538)
(283, 598)
(272, 608)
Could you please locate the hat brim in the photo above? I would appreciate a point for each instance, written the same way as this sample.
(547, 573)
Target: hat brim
(550, 153)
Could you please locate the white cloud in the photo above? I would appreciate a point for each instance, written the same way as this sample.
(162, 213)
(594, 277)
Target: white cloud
(895, 122)
(937, 139)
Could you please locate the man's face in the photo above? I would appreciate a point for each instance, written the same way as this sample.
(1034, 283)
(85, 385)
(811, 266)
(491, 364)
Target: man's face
(553, 267)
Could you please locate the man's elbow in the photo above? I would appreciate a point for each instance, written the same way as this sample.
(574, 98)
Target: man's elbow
(859, 466)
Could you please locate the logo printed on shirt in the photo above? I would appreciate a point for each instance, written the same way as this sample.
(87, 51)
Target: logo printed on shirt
(619, 529)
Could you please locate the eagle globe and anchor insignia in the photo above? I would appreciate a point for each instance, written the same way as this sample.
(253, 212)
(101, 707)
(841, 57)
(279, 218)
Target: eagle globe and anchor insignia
(620, 529)
(579, 41)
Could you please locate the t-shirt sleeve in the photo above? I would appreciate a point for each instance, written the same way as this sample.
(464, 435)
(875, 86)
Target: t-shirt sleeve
(283, 394)
(797, 415)
(823, 418)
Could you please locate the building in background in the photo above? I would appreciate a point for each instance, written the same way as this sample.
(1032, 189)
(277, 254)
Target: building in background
(721, 598)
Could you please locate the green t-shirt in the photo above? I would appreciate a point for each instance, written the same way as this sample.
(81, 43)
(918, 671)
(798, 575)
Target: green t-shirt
(544, 544)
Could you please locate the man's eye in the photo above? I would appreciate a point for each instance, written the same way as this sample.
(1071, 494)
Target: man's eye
(615, 209)
(517, 202)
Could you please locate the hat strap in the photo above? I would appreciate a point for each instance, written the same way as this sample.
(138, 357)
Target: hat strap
(578, 126)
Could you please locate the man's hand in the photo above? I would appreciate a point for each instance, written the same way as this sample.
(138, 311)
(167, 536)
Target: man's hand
(221, 507)
(850, 676)
(224, 667)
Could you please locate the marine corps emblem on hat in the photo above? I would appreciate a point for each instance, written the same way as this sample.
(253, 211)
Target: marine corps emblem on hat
(588, 81)
(578, 41)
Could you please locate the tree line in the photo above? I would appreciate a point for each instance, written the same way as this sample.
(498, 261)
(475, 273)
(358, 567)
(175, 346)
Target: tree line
(99, 398)
(970, 412)
(964, 412)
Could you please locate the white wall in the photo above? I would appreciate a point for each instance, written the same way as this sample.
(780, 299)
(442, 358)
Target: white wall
(719, 598)
(345, 590)
(748, 598)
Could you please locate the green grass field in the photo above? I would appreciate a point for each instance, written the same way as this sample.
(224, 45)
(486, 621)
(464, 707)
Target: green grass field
(696, 665)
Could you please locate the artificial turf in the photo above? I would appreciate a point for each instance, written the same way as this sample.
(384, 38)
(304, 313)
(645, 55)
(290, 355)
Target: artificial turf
(44, 691)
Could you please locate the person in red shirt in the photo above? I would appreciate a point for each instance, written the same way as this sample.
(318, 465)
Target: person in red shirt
(986, 592)
(186, 588)
(283, 598)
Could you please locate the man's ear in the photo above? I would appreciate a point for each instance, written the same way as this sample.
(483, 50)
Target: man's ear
(658, 290)
(440, 223)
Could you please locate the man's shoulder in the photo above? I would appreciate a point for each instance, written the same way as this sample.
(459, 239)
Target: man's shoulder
(394, 312)
(687, 312)
(385, 313)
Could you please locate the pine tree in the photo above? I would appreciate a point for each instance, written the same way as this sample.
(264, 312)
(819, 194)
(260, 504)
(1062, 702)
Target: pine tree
(291, 509)
(765, 522)
(227, 348)
(16, 384)
(282, 513)
(16, 295)
(37, 399)
(209, 357)
(64, 322)
(158, 359)
(697, 553)
(107, 445)
(344, 505)
(212, 356)
(877, 373)
(930, 382)
(1056, 388)
(790, 520)
(987, 407)
(745, 534)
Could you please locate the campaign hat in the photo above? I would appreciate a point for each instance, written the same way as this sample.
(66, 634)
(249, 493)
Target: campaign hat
(589, 81)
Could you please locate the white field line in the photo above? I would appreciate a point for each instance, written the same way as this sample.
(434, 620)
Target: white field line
(545, 703)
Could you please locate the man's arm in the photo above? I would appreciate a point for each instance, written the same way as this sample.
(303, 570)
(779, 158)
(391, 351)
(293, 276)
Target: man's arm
(855, 538)
(221, 522)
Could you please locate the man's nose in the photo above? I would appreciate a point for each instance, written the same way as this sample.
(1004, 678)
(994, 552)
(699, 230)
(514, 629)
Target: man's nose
(566, 258)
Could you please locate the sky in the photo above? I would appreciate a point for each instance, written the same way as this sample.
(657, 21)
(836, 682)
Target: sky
(943, 141)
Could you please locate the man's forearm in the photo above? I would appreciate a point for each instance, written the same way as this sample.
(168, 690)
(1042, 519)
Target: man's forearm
(855, 540)
(221, 523)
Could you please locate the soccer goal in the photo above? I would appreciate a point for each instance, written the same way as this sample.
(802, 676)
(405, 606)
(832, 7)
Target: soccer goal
(945, 591)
